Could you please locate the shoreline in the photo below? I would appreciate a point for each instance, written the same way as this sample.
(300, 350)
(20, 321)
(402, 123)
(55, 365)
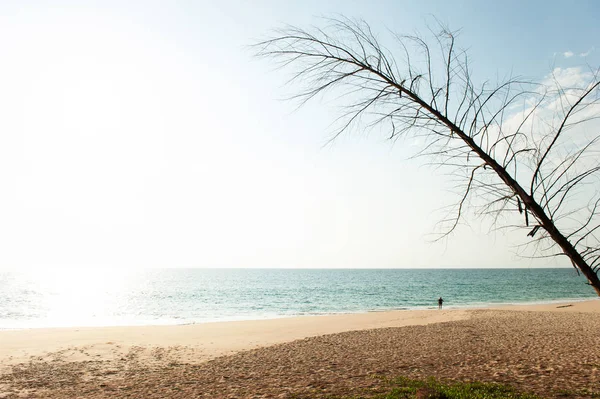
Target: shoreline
(477, 306)
(196, 343)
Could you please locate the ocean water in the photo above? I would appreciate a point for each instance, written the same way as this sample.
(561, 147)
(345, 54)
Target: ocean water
(60, 298)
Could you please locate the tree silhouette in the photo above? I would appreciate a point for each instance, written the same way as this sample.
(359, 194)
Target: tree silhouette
(519, 146)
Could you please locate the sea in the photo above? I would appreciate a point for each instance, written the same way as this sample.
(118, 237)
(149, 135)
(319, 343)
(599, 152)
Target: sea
(113, 297)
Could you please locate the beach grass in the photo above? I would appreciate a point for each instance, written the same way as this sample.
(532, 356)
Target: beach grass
(406, 388)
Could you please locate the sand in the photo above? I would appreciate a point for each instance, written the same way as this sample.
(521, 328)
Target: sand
(541, 348)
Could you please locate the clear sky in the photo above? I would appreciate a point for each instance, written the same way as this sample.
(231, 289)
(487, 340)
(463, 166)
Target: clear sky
(145, 134)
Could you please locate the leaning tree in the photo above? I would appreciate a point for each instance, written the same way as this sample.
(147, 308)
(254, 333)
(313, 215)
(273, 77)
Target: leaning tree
(520, 146)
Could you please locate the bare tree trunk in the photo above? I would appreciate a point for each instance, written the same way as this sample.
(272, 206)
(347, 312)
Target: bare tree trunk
(414, 100)
(565, 245)
(529, 201)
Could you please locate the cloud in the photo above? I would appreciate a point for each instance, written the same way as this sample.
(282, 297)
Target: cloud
(572, 77)
(568, 54)
(586, 53)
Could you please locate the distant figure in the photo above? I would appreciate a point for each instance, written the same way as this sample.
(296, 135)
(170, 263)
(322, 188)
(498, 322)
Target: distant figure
(440, 302)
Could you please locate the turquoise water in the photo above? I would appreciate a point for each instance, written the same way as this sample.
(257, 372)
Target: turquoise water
(182, 296)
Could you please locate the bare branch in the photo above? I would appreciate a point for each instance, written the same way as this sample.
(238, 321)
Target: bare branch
(516, 125)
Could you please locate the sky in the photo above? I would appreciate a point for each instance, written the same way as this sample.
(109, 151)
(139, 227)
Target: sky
(146, 134)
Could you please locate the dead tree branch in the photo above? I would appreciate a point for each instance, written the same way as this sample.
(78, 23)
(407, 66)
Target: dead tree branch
(535, 153)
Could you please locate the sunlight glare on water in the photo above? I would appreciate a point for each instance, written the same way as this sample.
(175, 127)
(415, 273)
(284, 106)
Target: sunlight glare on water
(71, 296)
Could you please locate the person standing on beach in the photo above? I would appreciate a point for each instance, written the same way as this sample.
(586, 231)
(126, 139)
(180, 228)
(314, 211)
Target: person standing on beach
(440, 302)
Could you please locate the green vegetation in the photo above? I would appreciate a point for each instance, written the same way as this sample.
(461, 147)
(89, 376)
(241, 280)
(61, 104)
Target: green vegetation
(404, 388)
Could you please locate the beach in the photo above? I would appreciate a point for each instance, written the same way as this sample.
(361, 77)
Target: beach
(541, 348)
